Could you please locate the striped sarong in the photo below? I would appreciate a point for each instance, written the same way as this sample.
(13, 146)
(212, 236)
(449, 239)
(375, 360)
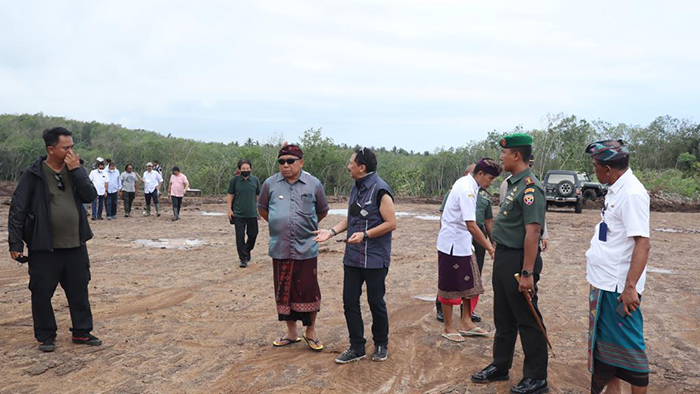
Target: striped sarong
(614, 340)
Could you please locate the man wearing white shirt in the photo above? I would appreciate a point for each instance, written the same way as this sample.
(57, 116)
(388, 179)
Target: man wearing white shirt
(616, 270)
(152, 181)
(458, 273)
(99, 180)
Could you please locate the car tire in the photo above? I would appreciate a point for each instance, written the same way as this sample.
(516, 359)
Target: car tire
(565, 188)
(579, 206)
(589, 195)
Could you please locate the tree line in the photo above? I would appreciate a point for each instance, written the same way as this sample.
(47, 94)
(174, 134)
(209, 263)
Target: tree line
(664, 153)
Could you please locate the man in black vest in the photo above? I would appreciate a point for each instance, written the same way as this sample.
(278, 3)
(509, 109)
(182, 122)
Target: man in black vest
(370, 221)
(47, 214)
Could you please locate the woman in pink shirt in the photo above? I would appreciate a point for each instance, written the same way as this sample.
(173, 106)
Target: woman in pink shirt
(176, 189)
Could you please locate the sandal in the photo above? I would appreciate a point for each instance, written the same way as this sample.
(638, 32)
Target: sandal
(475, 332)
(313, 345)
(454, 337)
(282, 342)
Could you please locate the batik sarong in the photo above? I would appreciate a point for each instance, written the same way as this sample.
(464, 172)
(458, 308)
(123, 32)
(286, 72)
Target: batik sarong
(616, 341)
(458, 277)
(297, 294)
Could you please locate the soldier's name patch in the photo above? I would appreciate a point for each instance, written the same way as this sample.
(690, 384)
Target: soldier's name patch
(529, 199)
(529, 190)
(529, 181)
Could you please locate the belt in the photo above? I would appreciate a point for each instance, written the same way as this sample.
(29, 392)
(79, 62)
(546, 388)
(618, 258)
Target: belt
(503, 247)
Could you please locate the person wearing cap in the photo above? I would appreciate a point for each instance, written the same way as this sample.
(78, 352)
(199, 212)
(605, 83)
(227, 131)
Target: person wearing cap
(517, 231)
(370, 222)
(616, 271)
(293, 202)
(484, 220)
(99, 180)
(177, 187)
(544, 241)
(114, 187)
(152, 180)
(459, 279)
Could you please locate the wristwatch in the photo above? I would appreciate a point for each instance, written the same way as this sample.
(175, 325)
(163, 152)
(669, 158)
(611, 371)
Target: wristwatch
(365, 234)
(333, 232)
(526, 273)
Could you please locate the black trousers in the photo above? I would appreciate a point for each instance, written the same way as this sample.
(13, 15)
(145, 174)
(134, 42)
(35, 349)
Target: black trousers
(245, 226)
(177, 203)
(70, 268)
(150, 196)
(112, 203)
(128, 200)
(352, 290)
(512, 316)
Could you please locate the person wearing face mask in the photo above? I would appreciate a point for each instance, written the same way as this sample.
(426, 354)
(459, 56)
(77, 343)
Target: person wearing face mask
(243, 192)
(99, 179)
(114, 187)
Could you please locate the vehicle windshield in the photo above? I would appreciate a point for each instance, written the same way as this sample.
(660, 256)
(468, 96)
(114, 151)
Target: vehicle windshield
(556, 178)
(584, 177)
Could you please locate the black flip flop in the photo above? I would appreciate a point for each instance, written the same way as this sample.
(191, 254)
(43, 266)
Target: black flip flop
(318, 347)
(285, 342)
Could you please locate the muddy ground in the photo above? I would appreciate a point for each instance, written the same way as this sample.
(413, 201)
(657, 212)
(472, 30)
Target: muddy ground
(181, 317)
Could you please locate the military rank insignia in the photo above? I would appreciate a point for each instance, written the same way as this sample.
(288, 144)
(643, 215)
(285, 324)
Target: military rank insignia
(529, 181)
(529, 199)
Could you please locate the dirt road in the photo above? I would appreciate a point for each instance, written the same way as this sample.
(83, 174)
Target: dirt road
(179, 316)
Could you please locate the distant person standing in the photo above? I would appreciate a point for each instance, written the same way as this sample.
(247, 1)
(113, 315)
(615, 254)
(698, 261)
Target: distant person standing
(128, 180)
(152, 180)
(99, 180)
(114, 185)
(293, 202)
(46, 213)
(616, 270)
(177, 187)
(243, 192)
(156, 167)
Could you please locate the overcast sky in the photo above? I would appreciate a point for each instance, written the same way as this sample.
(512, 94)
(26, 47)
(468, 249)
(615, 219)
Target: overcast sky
(415, 74)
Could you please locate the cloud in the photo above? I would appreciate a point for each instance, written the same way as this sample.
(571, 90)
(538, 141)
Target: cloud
(375, 70)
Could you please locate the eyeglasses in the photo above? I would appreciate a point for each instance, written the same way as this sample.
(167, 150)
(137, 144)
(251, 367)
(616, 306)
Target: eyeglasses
(288, 161)
(59, 179)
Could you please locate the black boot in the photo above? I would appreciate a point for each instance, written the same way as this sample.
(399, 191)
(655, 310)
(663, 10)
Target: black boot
(490, 374)
(530, 386)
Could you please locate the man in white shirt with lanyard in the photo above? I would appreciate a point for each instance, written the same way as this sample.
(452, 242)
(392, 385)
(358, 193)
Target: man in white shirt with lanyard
(616, 270)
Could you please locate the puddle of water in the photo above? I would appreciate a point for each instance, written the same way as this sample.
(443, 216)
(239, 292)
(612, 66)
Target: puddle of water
(675, 230)
(340, 212)
(205, 213)
(430, 298)
(428, 217)
(659, 270)
(164, 243)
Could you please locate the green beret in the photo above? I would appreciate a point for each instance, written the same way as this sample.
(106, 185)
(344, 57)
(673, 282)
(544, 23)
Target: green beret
(516, 139)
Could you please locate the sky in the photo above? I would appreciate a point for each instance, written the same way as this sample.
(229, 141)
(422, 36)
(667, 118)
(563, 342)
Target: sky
(419, 75)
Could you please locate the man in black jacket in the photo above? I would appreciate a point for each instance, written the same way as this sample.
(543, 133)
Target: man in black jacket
(47, 214)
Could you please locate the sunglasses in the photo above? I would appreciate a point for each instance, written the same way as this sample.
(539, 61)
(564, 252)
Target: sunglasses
(59, 179)
(288, 161)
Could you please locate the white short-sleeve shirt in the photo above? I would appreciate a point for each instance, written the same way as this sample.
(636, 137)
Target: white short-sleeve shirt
(99, 178)
(460, 208)
(626, 214)
(151, 181)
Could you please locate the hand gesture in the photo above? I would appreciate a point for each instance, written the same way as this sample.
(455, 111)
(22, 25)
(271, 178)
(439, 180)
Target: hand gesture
(72, 161)
(630, 298)
(356, 238)
(322, 235)
(527, 286)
